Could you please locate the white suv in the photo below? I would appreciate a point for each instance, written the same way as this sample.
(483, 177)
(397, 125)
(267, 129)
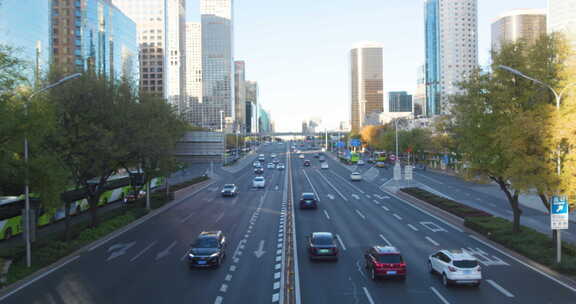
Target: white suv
(455, 267)
(259, 182)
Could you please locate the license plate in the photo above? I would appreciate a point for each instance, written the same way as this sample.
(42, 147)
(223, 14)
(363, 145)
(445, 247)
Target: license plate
(324, 251)
(201, 262)
(390, 272)
(467, 271)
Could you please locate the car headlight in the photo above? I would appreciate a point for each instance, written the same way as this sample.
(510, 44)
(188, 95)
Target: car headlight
(190, 255)
(215, 254)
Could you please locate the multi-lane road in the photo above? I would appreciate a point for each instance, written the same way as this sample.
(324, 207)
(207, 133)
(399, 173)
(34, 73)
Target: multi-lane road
(147, 264)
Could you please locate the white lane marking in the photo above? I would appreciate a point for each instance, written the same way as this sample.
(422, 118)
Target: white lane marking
(310, 182)
(228, 278)
(355, 196)
(368, 196)
(340, 241)
(376, 202)
(521, 262)
(500, 288)
(385, 240)
(433, 227)
(219, 217)
(397, 216)
(326, 214)
(297, 294)
(278, 258)
(39, 277)
(432, 241)
(430, 179)
(233, 268)
(360, 214)
(275, 298)
(330, 196)
(412, 227)
(331, 185)
(142, 252)
(484, 258)
(184, 257)
(218, 300)
(423, 211)
(166, 251)
(439, 295)
(343, 179)
(277, 275)
(187, 218)
(276, 285)
(236, 260)
(223, 288)
(368, 296)
(279, 251)
(378, 196)
(385, 208)
(278, 266)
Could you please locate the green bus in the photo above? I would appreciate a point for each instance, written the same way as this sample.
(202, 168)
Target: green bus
(117, 187)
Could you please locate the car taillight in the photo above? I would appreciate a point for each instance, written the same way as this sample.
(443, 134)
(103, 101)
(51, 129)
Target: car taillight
(478, 269)
(402, 265)
(451, 269)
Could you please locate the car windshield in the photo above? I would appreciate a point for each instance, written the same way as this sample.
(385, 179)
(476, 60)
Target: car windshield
(259, 179)
(322, 240)
(206, 242)
(465, 263)
(308, 196)
(228, 186)
(389, 258)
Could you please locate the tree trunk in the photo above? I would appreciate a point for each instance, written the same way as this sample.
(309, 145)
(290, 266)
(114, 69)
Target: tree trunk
(67, 221)
(148, 195)
(93, 203)
(512, 200)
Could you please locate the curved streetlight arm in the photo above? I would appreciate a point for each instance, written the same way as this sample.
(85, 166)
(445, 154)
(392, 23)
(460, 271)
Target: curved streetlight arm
(565, 89)
(57, 83)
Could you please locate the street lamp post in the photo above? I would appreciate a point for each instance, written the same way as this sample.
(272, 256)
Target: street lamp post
(397, 167)
(27, 180)
(558, 97)
(223, 137)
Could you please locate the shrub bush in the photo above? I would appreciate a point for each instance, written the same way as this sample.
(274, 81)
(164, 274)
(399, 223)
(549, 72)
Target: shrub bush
(443, 203)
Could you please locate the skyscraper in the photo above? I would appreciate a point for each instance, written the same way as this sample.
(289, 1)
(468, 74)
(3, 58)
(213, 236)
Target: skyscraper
(93, 34)
(562, 18)
(366, 83)
(161, 38)
(252, 107)
(518, 24)
(29, 33)
(193, 112)
(451, 49)
(399, 102)
(240, 95)
(420, 95)
(217, 60)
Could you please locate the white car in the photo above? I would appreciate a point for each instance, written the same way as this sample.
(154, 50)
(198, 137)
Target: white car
(360, 162)
(356, 176)
(455, 267)
(301, 156)
(280, 166)
(273, 155)
(324, 166)
(271, 166)
(259, 182)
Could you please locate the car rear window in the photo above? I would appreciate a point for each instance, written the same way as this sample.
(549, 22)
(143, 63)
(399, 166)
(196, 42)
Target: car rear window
(259, 179)
(206, 242)
(322, 240)
(389, 258)
(307, 196)
(466, 264)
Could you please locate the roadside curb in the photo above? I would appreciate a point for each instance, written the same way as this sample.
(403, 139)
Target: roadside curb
(562, 279)
(16, 286)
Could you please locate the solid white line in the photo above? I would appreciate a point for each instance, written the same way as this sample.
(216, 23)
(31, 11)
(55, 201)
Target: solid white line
(439, 295)
(412, 227)
(142, 252)
(368, 295)
(296, 270)
(521, 262)
(360, 214)
(432, 241)
(343, 179)
(423, 211)
(430, 179)
(340, 241)
(397, 216)
(313, 188)
(39, 277)
(500, 288)
(332, 186)
(385, 240)
(326, 214)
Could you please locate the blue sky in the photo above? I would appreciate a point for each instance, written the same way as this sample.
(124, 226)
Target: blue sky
(297, 50)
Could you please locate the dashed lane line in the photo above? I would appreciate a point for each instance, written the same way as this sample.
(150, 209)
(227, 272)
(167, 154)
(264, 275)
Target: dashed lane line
(368, 296)
(340, 241)
(439, 295)
(144, 250)
(397, 216)
(360, 214)
(331, 185)
(500, 288)
(310, 182)
(326, 214)
(432, 241)
(385, 240)
(218, 300)
(385, 208)
(412, 227)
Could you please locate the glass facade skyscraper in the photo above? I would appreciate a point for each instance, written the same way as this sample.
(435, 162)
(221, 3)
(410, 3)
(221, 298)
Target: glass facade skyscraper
(28, 33)
(518, 24)
(240, 95)
(94, 34)
(432, 66)
(217, 61)
(399, 102)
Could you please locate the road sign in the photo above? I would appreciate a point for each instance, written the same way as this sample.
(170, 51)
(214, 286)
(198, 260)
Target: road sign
(340, 144)
(559, 212)
(355, 142)
(408, 172)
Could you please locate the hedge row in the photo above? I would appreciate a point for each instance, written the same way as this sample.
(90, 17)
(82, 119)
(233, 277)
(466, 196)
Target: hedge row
(445, 204)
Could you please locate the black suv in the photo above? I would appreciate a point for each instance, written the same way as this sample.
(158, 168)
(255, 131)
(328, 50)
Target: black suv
(259, 171)
(307, 163)
(208, 250)
(308, 200)
(322, 245)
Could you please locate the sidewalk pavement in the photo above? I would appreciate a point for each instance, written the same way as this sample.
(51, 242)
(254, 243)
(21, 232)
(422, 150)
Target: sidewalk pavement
(335, 158)
(241, 163)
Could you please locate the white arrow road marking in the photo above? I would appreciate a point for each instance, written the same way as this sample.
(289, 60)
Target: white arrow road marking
(119, 250)
(166, 251)
(260, 252)
(433, 227)
(330, 196)
(355, 196)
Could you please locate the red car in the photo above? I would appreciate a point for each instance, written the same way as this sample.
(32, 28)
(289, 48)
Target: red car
(385, 261)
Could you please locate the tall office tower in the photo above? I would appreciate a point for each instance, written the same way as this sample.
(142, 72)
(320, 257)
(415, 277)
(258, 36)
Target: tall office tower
(399, 102)
(240, 95)
(193, 111)
(562, 18)
(366, 83)
(451, 49)
(93, 34)
(420, 95)
(518, 24)
(29, 33)
(251, 96)
(161, 38)
(217, 61)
